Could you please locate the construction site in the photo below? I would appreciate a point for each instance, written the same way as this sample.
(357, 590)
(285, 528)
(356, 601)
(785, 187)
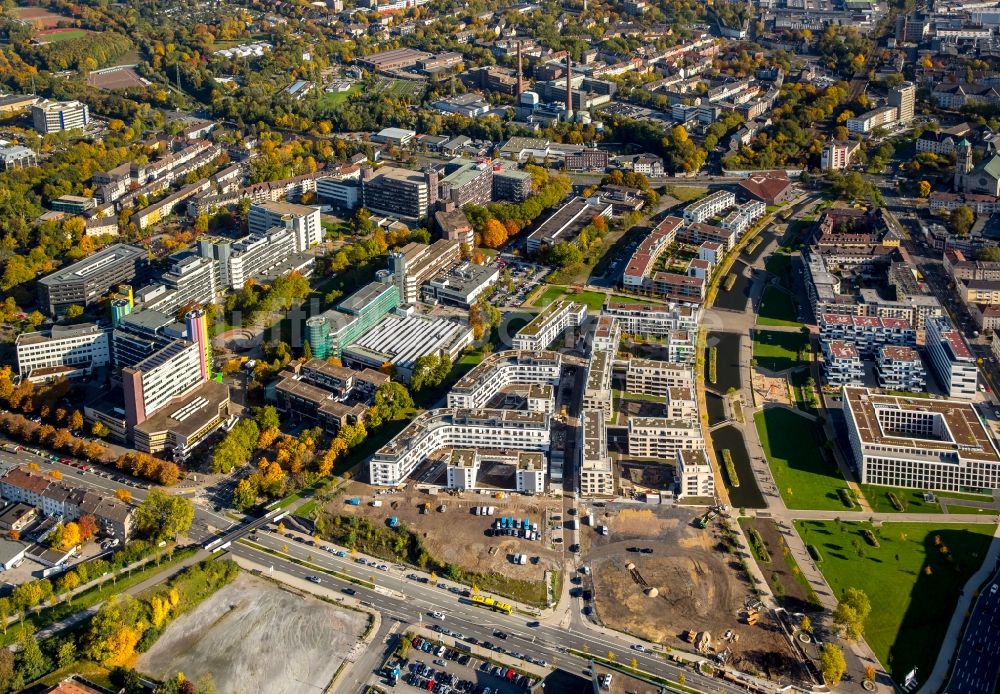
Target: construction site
(662, 577)
(450, 530)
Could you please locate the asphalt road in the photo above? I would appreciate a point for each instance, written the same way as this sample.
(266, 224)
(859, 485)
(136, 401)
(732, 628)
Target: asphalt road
(408, 602)
(978, 663)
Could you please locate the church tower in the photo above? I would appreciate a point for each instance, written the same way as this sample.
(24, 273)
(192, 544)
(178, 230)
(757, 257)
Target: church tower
(963, 164)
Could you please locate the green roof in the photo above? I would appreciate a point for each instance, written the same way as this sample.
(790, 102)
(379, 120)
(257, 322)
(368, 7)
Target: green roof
(990, 166)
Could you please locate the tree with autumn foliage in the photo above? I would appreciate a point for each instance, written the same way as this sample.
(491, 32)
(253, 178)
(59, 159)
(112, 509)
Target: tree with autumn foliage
(494, 234)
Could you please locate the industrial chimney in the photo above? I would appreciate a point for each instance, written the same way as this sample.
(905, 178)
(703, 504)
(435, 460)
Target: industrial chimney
(569, 87)
(520, 70)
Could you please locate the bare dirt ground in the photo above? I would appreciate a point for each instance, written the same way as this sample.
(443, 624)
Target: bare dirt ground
(255, 637)
(771, 389)
(697, 587)
(39, 16)
(457, 536)
(122, 78)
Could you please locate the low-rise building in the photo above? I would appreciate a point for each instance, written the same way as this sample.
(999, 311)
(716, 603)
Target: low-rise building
(501, 370)
(566, 223)
(708, 207)
(462, 285)
(655, 378)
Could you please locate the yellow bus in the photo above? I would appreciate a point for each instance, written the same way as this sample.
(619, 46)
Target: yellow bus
(491, 604)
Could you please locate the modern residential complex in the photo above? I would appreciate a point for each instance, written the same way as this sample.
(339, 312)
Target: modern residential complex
(655, 378)
(500, 370)
(662, 438)
(708, 207)
(652, 320)
(546, 326)
(694, 474)
(900, 368)
(500, 430)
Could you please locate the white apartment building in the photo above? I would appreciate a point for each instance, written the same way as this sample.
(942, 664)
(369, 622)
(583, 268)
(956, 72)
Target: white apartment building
(841, 364)
(302, 220)
(542, 398)
(343, 191)
(920, 443)
(57, 116)
(952, 362)
(552, 322)
(257, 254)
(903, 98)
(659, 437)
(69, 351)
(838, 155)
(597, 476)
(651, 319)
(867, 333)
(653, 377)
(607, 335)
(681, 403)
(645, 255)
(502, 430)
(597, 389)
(708, 207)
(876, 118)
(500, 370)
(743, 216)
(463, 468)
(530, 475)
(694, 474)
(900, 368)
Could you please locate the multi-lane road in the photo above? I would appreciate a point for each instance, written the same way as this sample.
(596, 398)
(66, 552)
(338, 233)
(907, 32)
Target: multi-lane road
(978, 663)
(403, 600)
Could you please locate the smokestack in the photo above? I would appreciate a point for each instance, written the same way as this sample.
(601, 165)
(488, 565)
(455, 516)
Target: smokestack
(520, 70)
(569, 86)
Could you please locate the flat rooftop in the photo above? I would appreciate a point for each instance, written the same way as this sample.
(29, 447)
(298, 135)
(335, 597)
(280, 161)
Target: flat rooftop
(963, 432)
(82, 270)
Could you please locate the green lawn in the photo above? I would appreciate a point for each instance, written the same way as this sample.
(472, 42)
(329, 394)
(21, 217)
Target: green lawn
(806, 477)
(972, 511)
(331, 100)
(58, 36)
(777, 307)
(593, 300)
(911, 606)
(780, 265)
(911, 499)
(777, 351)
(686, 193)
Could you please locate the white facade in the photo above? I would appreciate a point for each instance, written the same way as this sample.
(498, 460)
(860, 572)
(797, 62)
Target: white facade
(953, 363)
(190, 281)
(841, 364)
(171, 372)
(58, 116)
(500, 370)
(652, 319)
(597, 477)
(694, 474)
(935, 444)
(302, 220)
(463, 468)
(62, 351)
(597, 388)
(876, 118)
(530, 473)
(658, 437)
(456, 428)
(652, 377)
(900, 368)
(838, 155)
(740, 218)
(545, 327)
(255, 254)
(708, 207)
(607, 335)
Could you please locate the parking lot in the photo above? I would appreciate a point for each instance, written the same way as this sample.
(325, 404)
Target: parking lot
(524, 277)
(433, 666)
